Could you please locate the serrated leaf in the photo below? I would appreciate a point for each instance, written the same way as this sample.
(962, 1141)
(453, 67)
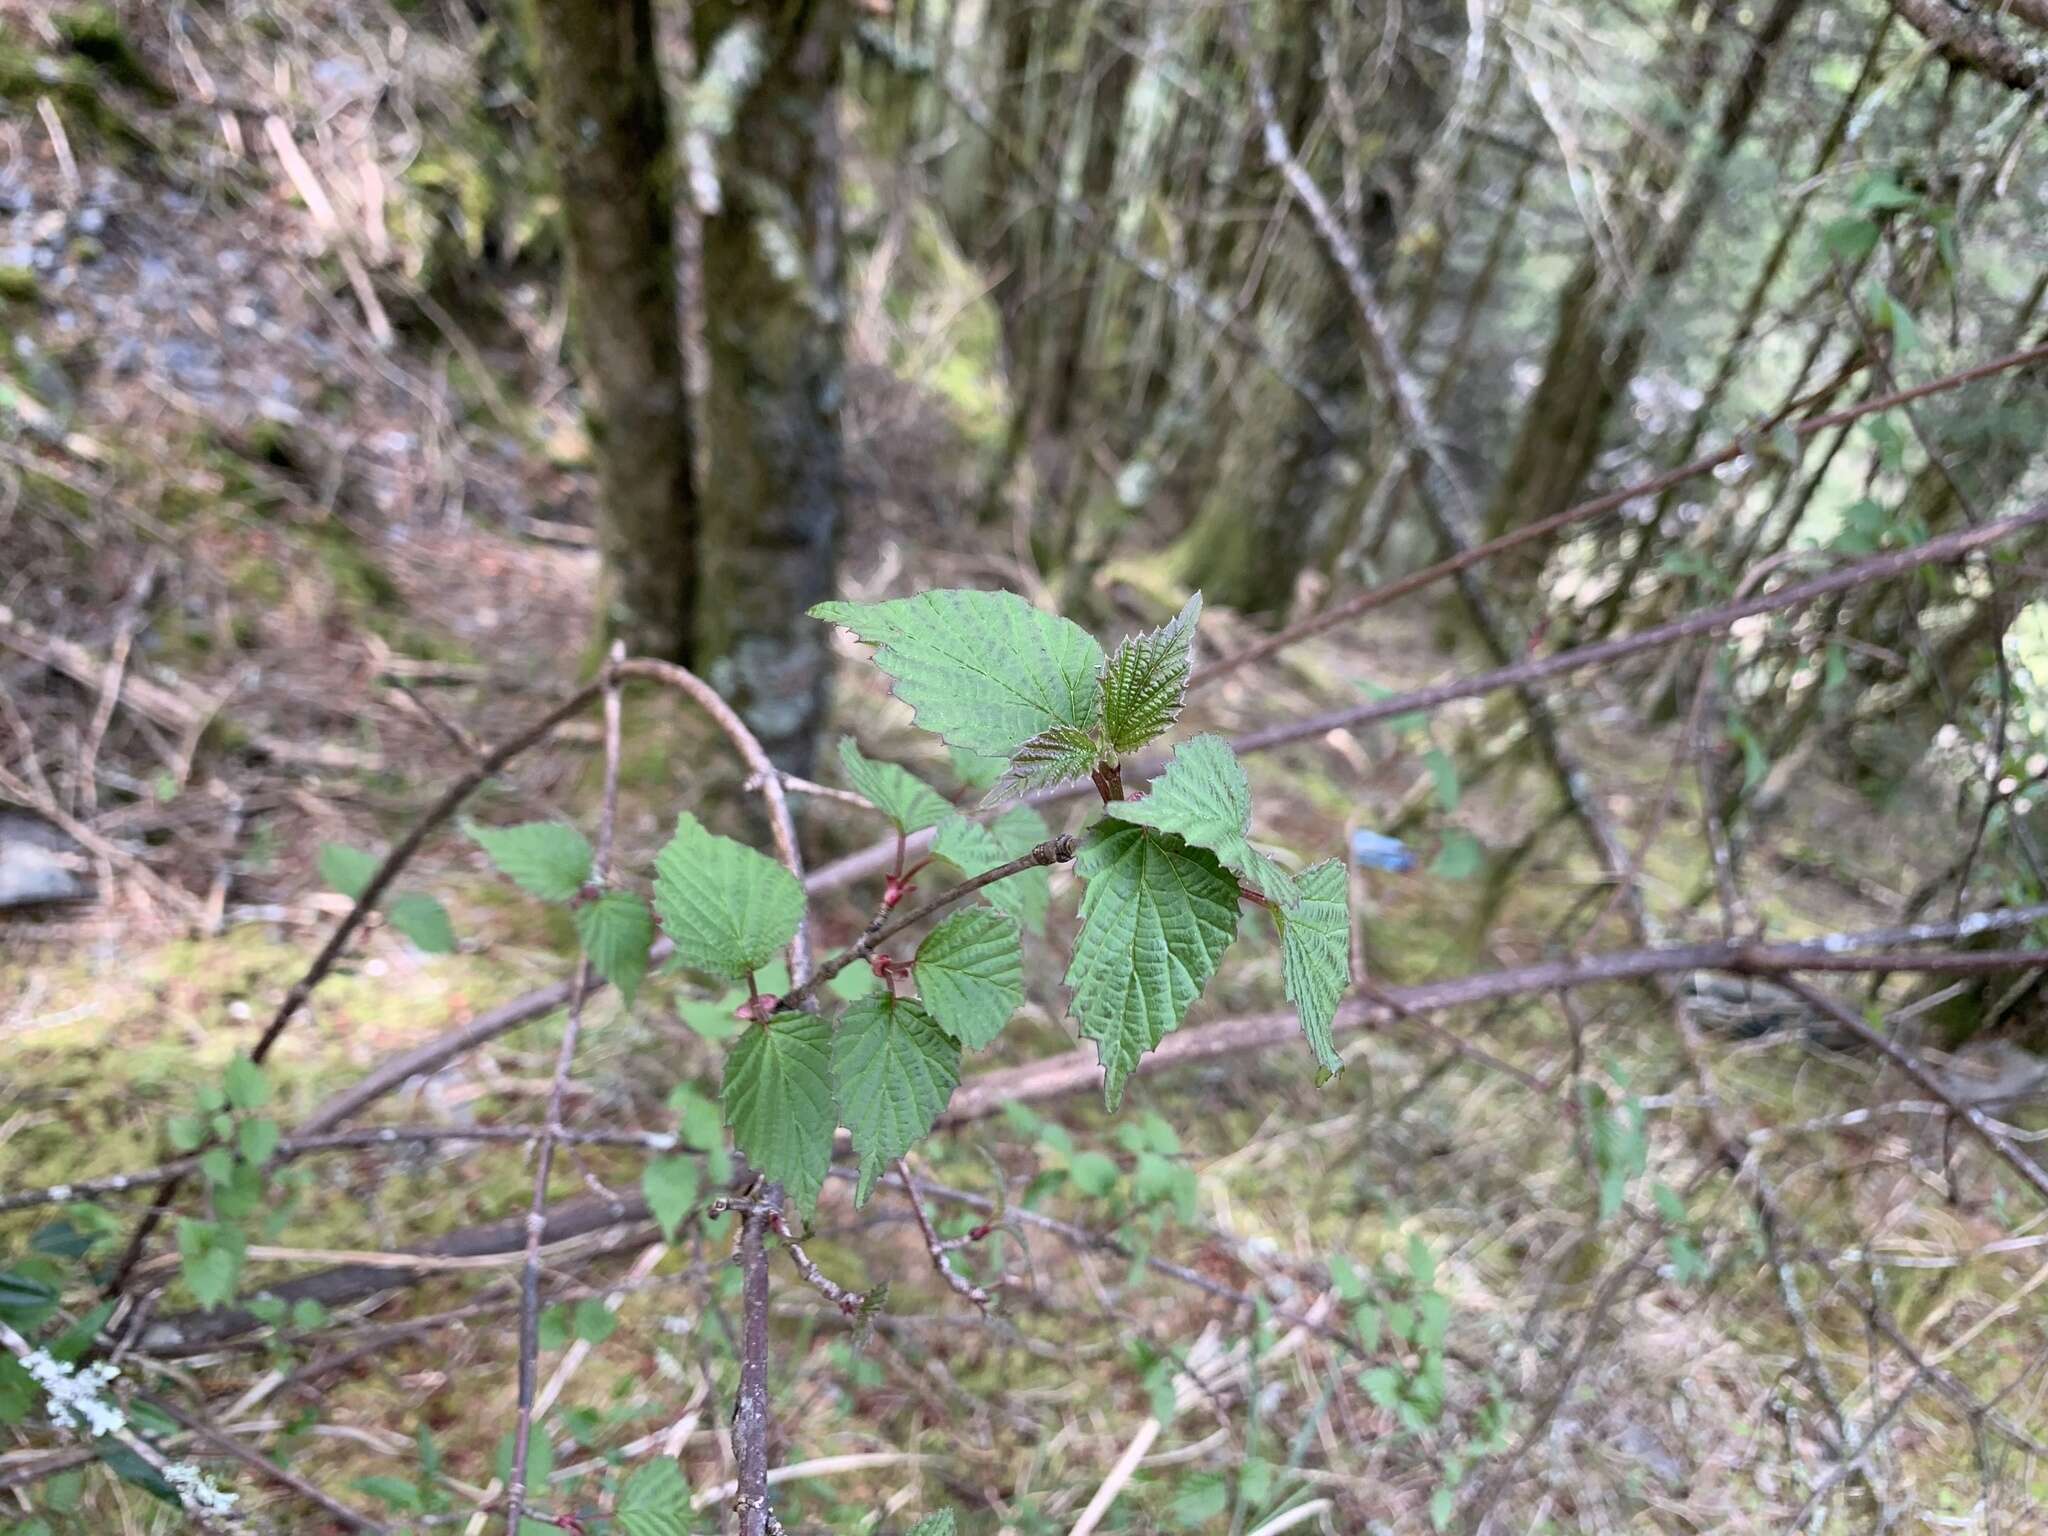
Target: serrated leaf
(670, 1185)
(1850, 240)
(1145, 682)
(940, 1524)
(1460, 857)
(975, 770)
(728, 908)
(245, 1085)
(896, 792)
(974, 847)
(543, 858)
(655, 1501)
(347, 870)
(593, 1321)
(256, 1140)
(210, 1256)
(984, 670)
(1204, 798)
(552, 1331)
(1051, 757)
(970, 974)
(424, 921)
(894, 1069)
(394, 1491)
(1156, 916)
(616, 932)
(1881, 192)
(1315, 954)
(778, 1101)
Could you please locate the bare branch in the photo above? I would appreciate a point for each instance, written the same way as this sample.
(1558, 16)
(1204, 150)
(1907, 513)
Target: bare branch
(544, 1160)
(1057, 850)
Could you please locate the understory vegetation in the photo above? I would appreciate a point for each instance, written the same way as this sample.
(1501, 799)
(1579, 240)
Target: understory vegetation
(1023, 766)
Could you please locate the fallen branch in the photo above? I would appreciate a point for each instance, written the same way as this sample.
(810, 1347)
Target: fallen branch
(1078, 1071)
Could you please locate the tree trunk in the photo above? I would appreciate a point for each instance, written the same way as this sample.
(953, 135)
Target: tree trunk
(1253, 536)
(1598, 341)
(607, 133)
(774, 324)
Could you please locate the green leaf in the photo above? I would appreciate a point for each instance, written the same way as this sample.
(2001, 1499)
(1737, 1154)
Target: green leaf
(540, 1461)
(1460, 858)
(728, 908)
(894, 1070)
(1094, 1174)
(616, 932)
(423, 920)
(655, 1501)
(131, 1468)
(940, 1524)
(211, 1260)
(1849, 240)
(1145, 682)
(543, 858)
(670, 1185)
(1201, 1503)
(256, 1140)
(217, 1166)
(184, 1132)
(24, 1300)
(970, 974)
(1881, 192)
(1051, 757)
(1442, 1504)
(308, 1314)
(984, 670)
(551, 1332)
(1156, 916)
(975, 770)
(18, 1391)
(698, 1120)
(593, 1321)
(245, 1085)
(347, 870)
(1443, 768)
(1315, 954)
(393, 1491)
(1421, 1262)
(1905, 332)
(778, 1101)
(1204, 798)
(896, 792)
(974, 848)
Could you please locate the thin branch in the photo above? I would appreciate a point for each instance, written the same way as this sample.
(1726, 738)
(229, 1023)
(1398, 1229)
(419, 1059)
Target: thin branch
(750, 1413)
(294, 1147)
(200, 1515)
(1930, 1081)
(1856, 573)
(387, 871)
(1056, 850)
(263, 1466)
(934, 1244)
(544, 1161)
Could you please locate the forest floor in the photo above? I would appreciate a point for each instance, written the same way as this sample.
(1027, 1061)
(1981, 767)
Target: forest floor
(338, 527)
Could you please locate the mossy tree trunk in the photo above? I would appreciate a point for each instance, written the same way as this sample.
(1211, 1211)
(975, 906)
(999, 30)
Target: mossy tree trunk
(774, 337)
(606, 130)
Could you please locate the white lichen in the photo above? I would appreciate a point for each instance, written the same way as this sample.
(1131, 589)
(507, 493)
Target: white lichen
(77, 1398)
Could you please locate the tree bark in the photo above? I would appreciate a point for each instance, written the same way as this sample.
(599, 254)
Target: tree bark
(774, 337)
(606, 129)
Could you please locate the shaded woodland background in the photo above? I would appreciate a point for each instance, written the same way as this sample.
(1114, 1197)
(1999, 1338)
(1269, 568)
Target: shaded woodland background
(320, 476)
